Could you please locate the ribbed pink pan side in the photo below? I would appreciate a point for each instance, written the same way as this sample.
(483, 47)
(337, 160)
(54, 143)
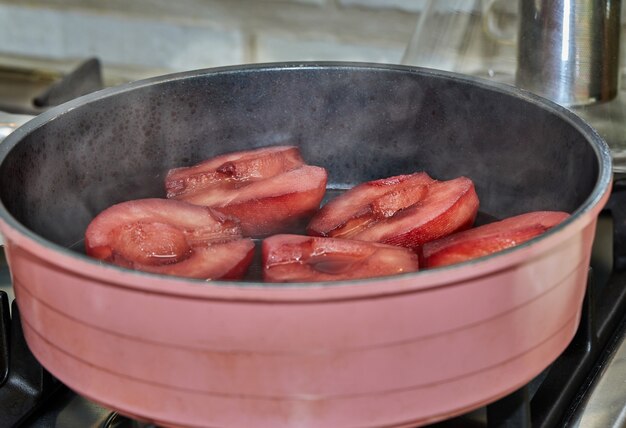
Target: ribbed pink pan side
(412, 407)
(390, 359)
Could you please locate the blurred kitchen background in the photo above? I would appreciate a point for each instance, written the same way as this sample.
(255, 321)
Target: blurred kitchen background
(41, 41)
(140, 38)
(146, 37)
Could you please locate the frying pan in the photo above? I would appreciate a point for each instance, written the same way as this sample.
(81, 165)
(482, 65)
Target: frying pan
(403, 350)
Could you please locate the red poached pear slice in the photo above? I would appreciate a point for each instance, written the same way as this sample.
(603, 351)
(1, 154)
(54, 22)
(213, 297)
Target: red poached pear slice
(232, 170)
(366, 204)
(280, 203)
(490, 238)
(225, 261)
(295, 258)
(171, 237)
(406, 210)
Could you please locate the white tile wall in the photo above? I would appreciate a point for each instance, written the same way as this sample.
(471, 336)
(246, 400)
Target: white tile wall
(415, 6)
(405, 5)
(117, 39)
(15, 37)
(313, 2)
(151, 43)
(189, 34)
(287, 48)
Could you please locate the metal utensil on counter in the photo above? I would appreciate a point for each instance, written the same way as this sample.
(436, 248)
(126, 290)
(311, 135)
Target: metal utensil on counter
(568, 50)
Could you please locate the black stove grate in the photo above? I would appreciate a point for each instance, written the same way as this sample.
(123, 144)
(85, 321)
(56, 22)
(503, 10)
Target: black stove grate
(25, 386)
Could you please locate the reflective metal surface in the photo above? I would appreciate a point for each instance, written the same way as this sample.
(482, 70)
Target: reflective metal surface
(568, 50)
(604, 404)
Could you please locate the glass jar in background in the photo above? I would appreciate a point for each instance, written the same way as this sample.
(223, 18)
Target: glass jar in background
(475, 37)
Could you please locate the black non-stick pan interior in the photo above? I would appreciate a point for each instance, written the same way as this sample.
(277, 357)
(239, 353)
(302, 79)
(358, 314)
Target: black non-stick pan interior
(360, 122)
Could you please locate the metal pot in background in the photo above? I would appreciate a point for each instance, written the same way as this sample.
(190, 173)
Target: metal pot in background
(568, 51)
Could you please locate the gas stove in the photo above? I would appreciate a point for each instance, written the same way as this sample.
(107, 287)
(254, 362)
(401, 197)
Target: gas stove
(583, 387)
